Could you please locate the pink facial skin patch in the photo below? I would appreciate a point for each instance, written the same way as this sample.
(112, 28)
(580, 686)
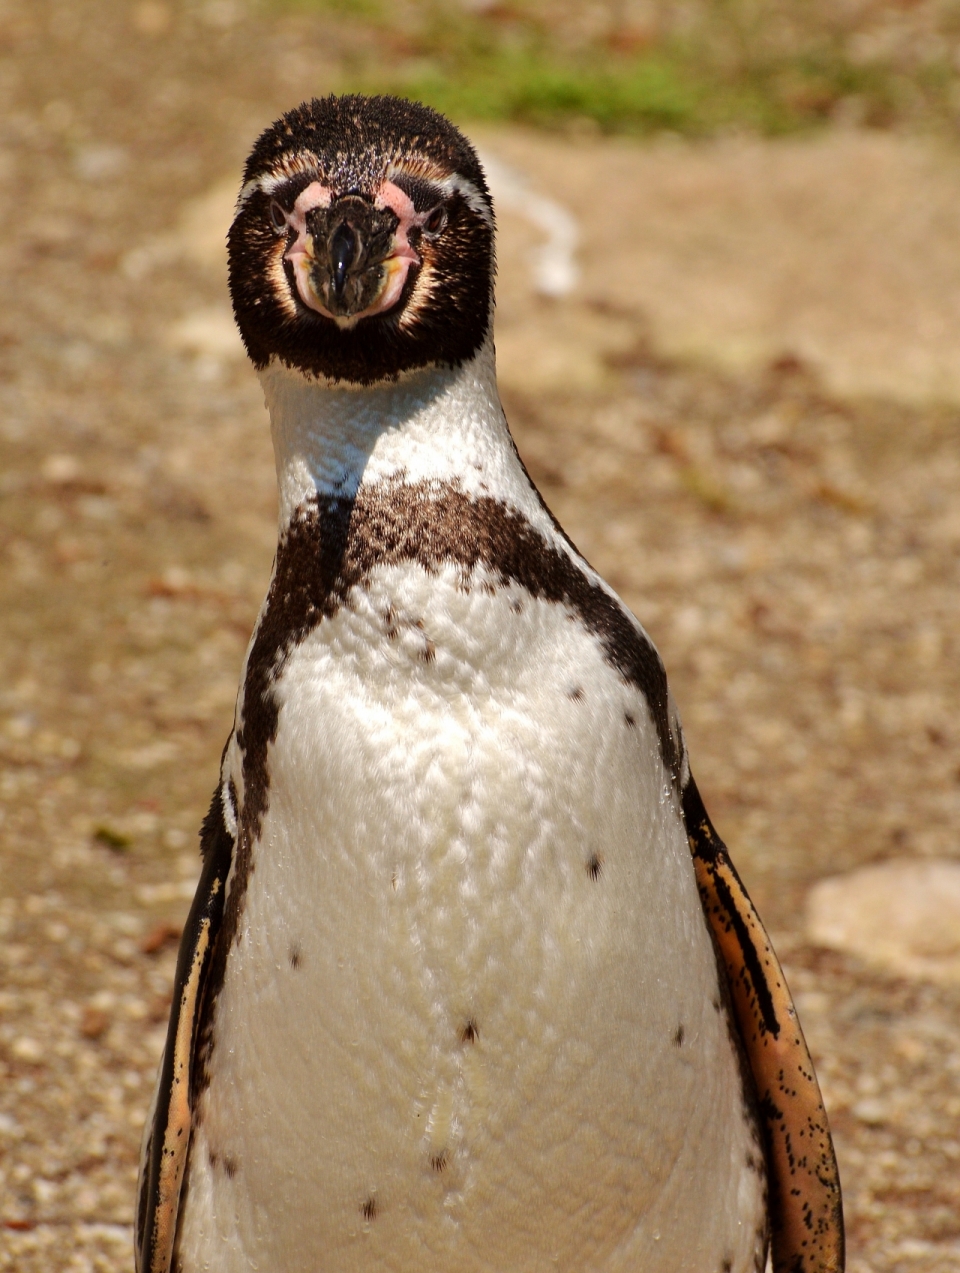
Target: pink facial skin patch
(302, 256)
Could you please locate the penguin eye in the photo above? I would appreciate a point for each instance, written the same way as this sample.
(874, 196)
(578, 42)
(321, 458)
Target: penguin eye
(435, 221)
(278, 218)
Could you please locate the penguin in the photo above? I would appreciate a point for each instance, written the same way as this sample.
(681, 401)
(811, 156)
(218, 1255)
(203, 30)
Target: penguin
(470, 981)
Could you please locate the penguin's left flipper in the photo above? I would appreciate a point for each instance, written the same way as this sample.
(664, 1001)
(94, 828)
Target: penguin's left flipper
(804, 1184)
(168, 1137)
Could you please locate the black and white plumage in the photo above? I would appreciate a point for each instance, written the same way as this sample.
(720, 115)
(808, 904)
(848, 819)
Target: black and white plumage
(469, 983)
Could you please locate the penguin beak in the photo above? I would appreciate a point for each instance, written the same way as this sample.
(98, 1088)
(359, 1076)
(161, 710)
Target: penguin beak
(344, 246)
(351, 259)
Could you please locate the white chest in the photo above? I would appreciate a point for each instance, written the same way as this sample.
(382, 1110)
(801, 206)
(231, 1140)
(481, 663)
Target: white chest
(472, 1019)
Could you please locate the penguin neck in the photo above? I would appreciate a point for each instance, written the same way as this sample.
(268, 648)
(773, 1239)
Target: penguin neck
(437, 424)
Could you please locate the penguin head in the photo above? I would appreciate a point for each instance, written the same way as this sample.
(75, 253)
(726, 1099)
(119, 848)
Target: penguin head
(362, 245)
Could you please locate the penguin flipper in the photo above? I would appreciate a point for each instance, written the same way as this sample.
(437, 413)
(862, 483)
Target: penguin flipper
(167, 1139)
(807, 1233)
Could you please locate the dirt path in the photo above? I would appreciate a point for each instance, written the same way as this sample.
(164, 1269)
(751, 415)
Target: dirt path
(842, 249)
(793, 551)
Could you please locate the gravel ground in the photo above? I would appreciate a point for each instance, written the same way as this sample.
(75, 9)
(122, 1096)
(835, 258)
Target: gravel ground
(794, 554)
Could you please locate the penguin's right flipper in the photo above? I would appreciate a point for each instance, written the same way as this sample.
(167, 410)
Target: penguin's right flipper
(167, 1139)
(805, 1200)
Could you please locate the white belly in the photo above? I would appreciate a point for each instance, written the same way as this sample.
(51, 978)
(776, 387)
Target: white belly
(472, 1021)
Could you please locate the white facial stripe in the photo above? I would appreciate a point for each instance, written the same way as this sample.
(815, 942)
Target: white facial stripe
(474, 200)
(245, 192)
(453, 184)
(294, 166)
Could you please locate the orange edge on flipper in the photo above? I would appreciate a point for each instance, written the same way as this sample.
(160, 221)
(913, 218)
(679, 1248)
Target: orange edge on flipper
(805, 1200)
(176, 1132)
(169, 1142)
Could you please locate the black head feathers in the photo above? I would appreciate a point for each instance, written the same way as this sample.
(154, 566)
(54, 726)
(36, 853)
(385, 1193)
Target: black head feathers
(362, 246)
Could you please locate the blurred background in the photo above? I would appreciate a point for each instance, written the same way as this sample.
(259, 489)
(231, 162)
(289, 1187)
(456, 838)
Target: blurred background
(729, 310)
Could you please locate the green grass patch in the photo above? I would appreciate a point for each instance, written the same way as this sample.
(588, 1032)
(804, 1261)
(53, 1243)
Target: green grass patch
(531, 87)
(519, 61)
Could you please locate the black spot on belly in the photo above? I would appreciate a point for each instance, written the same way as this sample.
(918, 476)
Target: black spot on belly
(296, 956)
(439, 1161)
(679, 1036)
(392, 625)
(595, 866)
(230, 1166)
(469, 1032)
(576, 694)
(727, 1265)
(630, 719)
(369, 1208)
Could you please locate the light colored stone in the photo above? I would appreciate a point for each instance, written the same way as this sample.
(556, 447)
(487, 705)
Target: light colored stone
(902, 916)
